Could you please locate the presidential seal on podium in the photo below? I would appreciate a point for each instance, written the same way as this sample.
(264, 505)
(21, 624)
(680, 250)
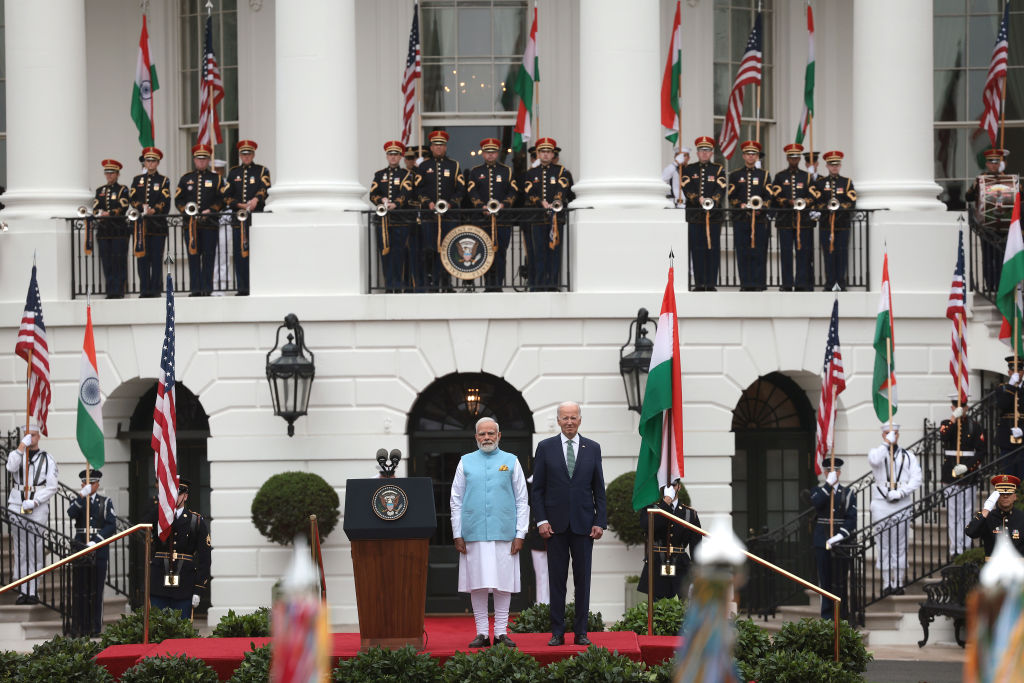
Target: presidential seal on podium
(390, 502)
(467, 252)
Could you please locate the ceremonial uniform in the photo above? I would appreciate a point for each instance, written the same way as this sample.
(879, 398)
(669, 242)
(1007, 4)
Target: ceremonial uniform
(1009, 521)
(834, 226)
(28, 525)
(90, 573)
(413, 257)
(150, 194)
(180, 566)
(891, 495)
(206, 190)
(246, 182)
(392, 186)
(545, 183)
(961, 438)
(704, 180)
(833, 566)
(792, 185)
(484, 183)
(991, 254)
(670, 175)
(750, 228)
(678, 543)
(111, 234)
(440, 178)
(1010, 407)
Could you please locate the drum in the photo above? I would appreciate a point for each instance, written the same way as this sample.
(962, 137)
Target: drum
(996, 193)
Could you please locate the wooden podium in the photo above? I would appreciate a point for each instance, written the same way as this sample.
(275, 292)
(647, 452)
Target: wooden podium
(389, 523)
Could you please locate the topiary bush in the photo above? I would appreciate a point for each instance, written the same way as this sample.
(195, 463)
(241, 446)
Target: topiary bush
(282, 506)
(163, 624)
(667, 618)
(817, 637)
(58, 659)
(179, 668)
(596, 665)
(798, 666)
(254, 625)
(380, 664)
(537, 619)
(623, 520)
(752, 643)
(255, 666)
(499, 663)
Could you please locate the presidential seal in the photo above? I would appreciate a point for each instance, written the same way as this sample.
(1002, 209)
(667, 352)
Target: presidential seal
(467, 252)
(390, 502)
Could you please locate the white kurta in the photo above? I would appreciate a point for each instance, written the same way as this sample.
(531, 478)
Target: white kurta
(490, 564)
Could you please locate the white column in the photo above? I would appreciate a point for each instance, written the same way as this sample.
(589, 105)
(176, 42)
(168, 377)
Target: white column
(317, 127)
(892, 160)
(619, 105)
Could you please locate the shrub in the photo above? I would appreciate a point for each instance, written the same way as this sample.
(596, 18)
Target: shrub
(752, 643)
(623, 520)
(67, 647)
(163, 624)
(498, 663)
(816, 636)
(798, 666)
(662, 673)
(282, 506)
(179, 668)
(668, 618)
(255, 625)
(971, 555)
(255, 666)
(537, 619)
(596, 665)
(380, 664)
(58, 659)
(9, 663)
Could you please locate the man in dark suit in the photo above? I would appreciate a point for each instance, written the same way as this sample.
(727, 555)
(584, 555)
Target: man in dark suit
(569, 501)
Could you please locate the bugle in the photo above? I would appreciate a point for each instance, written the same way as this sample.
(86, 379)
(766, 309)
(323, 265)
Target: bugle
(800, 204)
(191, 209)
(380, 210)
(493, 206)
(441, 207)
(755, 203)
(833, 204)
(132, 214)
(557, 206)
(242, 214)
(707, 203)
(84, 212)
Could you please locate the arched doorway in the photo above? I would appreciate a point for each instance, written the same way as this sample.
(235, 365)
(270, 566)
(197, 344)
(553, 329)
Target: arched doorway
(441, 429)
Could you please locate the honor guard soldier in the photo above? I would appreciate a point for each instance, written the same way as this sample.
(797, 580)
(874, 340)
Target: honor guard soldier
(490, 188)
(247, 188)
(963, 449)
(670, 175)
(441, 188)
(90, 573)
(414, 261)
(1010, 407)
(999, 516)
(150, 195)
(833, 526)
(111, 233)
(795, 228)
(390, 190)
(546, 187)
(180, 567)
(750, 189)
(677, 544)
(704, 185)
(991, 255)
(200, 197)
(834, 199)
(897, 475)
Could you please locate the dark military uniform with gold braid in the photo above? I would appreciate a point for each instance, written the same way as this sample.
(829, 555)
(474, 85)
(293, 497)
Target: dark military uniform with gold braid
(112, 236)
(678, 545)
(245, 182)
(152, 190)
(834, 226)
(484, 183)
(545, 183)
(704, 181)
(1006, 395)
(998, 522)
(751, 261)
(207, 190)
(185, 555)
(791, 185)
(440, 178)
(393, 184)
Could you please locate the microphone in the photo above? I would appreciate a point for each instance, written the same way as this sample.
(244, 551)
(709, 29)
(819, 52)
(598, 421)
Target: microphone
(382, 457)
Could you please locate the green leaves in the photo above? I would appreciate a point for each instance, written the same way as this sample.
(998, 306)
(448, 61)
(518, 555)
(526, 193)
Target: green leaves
(254, 625)
(282, 506)
(596, 665)
(667, 617)
(537, 619)
(388, 666)
(498, 663)
(255, 666)
(180, 669)
(816, 636)
(163, 624)
(57, 659)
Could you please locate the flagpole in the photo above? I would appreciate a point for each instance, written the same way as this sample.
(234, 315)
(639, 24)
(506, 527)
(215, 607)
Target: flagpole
(88, 519)
(812, 157)
(679, 132)
(832, 468)
(1002, 108)
(419, 87)
(888, 382)
(959, 382)
(535, 113)
(28, 425)
(757, 115)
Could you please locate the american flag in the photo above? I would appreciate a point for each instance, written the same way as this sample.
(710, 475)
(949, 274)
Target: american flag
(32, 340)
(211, 92)
(165, 446)
(992, 94)
(955, 312)
(749, 73)
(413, 70)
(832, 380)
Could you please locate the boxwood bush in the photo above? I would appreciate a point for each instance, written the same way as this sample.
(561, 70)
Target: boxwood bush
(752, 643)
(255, 666)
(163, 624)
(60, 659)
(798, 666)
(537, 619)
(499, 663)
(596, 665)
(179, 668)
(282, 506)
(386, 666)
(667, 617)
(816, 636)
(254, 625)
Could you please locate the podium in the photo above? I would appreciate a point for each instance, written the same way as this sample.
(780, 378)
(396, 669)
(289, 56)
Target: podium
(389, 523)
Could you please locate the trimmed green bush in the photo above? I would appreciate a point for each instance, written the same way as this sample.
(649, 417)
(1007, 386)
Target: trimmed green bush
(255, 666)
(499, 663)
(661, 673)
(596, 665)
(752, 643)
(163, 624)
(9, 663)
(380, 664)
(180, 668)
(58, 659)
(537, 619)
(816, 637)
(667, 617)
(971, 555)
(67, 647)
(282, 506)
(254, 625)
(799, 666)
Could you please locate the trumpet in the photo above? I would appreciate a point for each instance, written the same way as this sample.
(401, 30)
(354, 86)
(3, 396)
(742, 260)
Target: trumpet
(83, 212)
(381, 209)
(755, 203)
(557, 206)
(242, 214)
(707, 203)
(493, 206)
(132, 214)
(800, 204)
(191, 209)
(833, 204)
(441, 207)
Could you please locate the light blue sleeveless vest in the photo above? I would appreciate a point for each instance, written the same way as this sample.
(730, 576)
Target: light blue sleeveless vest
(489, 504)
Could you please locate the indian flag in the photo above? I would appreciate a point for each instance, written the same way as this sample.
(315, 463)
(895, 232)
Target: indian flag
(142, 90)
(661, 422)
(90, 408)
(1008, 298)
(528, 74)
(808, 112)
(883, 393)
(670, 81)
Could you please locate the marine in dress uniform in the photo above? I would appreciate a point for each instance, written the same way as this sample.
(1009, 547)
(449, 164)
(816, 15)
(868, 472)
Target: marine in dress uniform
(833, 567)
(891, 495)
(991, 254)
(746, 184)
(834, 226)
(546, 186)
(206, 190)
(963, 449)
(493, 181)
(678, 543)
(392, 187)
(791, 186)
(1009, 432)
(704, 180)
(150, 194)
(247, 188)
(90, 573)
(440, 178)
(999, 516)
(111, 234)
(180, 566)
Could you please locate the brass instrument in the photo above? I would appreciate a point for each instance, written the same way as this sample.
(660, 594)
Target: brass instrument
(556, 206)
(494, 206)
(132, 214)
(441, 207)
(242, 214)
(707, 203)
(191, 209)
(755, 203)
(381, 210)
(833, 204)
(84, 212)
(799, 205)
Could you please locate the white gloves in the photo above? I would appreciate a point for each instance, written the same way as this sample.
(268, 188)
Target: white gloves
(27, 441)
(893, 496)
(1017, 432)
(195, 601)
(90, 544)
(959, 470)
(958, 412)
(832, 478)
(891, 437)
(86, 490)
(990, 504)
(815, 215)
(832, 541)
(28, 504)
(669, 492)
(680, 158)
(1015, 379)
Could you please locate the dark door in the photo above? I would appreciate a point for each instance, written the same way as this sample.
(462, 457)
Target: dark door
(769, 473)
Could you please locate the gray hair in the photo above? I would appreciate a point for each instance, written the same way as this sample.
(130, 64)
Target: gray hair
(486, 419)
(574, 404)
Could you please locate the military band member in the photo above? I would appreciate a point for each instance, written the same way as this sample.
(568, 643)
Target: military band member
(247, 188)
(440, 178)
(991, 255)
(110, 233)
(672, 563)
(1010, 407)
(180, 566)
(999, 516)
(963, 449)
(392, 187)
(750, 226)
(793, 185)
(493, 181)
(150, 195)
(546, 186)
(205, 189)
(704, 180)
(90, 575)
(834, 225)
(833, 567)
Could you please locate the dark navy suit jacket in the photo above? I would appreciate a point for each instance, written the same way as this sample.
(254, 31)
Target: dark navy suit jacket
(575, 504)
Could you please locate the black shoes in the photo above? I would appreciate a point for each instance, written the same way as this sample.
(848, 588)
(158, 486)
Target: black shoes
(481, 641)
(503, 639)
(27, 600)
(556, 640)
(583, 641)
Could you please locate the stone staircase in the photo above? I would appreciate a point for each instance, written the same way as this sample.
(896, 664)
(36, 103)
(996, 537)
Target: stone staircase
(24, 626)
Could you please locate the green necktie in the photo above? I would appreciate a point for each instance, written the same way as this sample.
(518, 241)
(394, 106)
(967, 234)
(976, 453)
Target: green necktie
(570, 457)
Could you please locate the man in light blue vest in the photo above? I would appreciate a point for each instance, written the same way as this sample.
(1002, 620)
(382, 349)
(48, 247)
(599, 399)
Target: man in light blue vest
(490, 516)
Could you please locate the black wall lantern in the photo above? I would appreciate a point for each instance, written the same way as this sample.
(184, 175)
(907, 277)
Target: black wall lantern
(634, 366)
(290, 374)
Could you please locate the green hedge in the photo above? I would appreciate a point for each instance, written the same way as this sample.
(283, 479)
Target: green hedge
(499, 663)
(176, 669)
(163, 624)
(537, 619)
(667, 617)
(254, 625)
